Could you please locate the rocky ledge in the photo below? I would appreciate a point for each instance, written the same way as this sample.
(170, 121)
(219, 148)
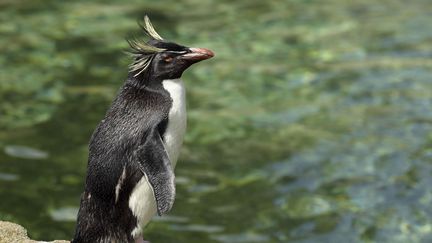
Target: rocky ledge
(15, 233)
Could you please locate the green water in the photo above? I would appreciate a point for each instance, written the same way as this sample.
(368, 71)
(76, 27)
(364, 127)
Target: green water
(313, 123)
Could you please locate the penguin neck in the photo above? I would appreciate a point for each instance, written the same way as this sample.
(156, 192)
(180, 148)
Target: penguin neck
(144, 80)
(148, 79)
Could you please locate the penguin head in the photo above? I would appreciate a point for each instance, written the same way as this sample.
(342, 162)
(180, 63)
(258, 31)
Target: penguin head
(174, 59)
(161, 58)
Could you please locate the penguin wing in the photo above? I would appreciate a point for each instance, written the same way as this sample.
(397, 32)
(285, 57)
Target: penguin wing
(153, 161)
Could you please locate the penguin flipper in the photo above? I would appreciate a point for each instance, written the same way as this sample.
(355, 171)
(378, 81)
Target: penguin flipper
(153, 161)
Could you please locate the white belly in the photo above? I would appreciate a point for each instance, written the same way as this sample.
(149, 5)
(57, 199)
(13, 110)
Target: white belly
(142, 204)
(176, 128)
(142, 201)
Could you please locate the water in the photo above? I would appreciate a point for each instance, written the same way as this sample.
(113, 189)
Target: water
(313, 123)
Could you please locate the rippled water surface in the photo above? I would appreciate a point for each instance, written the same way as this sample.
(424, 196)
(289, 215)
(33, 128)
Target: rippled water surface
(313, 123)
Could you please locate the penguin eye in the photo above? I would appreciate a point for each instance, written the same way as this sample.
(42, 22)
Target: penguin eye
(168, 59)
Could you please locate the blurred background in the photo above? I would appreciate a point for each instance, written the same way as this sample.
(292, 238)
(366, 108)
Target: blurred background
(313, 123)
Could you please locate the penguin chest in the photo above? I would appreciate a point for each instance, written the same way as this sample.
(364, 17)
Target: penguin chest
(176, 127)
(142, 201)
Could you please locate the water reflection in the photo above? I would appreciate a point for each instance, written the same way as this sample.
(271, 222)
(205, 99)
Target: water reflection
(313, 124)
(24, 152)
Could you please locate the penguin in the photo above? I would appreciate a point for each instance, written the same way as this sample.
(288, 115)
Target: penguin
(134, 149)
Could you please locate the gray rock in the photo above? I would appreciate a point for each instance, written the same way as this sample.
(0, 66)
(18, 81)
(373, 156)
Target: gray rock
(14, 233)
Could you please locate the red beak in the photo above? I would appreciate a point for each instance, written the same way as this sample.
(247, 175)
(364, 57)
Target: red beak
(198, 54)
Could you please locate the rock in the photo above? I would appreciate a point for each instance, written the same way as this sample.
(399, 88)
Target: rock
(15, 233)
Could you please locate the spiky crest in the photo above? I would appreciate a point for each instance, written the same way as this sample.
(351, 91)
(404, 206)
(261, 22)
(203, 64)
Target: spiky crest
(142, 52)
(149, 29)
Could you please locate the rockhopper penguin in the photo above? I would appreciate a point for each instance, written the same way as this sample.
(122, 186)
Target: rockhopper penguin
(134, 149)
